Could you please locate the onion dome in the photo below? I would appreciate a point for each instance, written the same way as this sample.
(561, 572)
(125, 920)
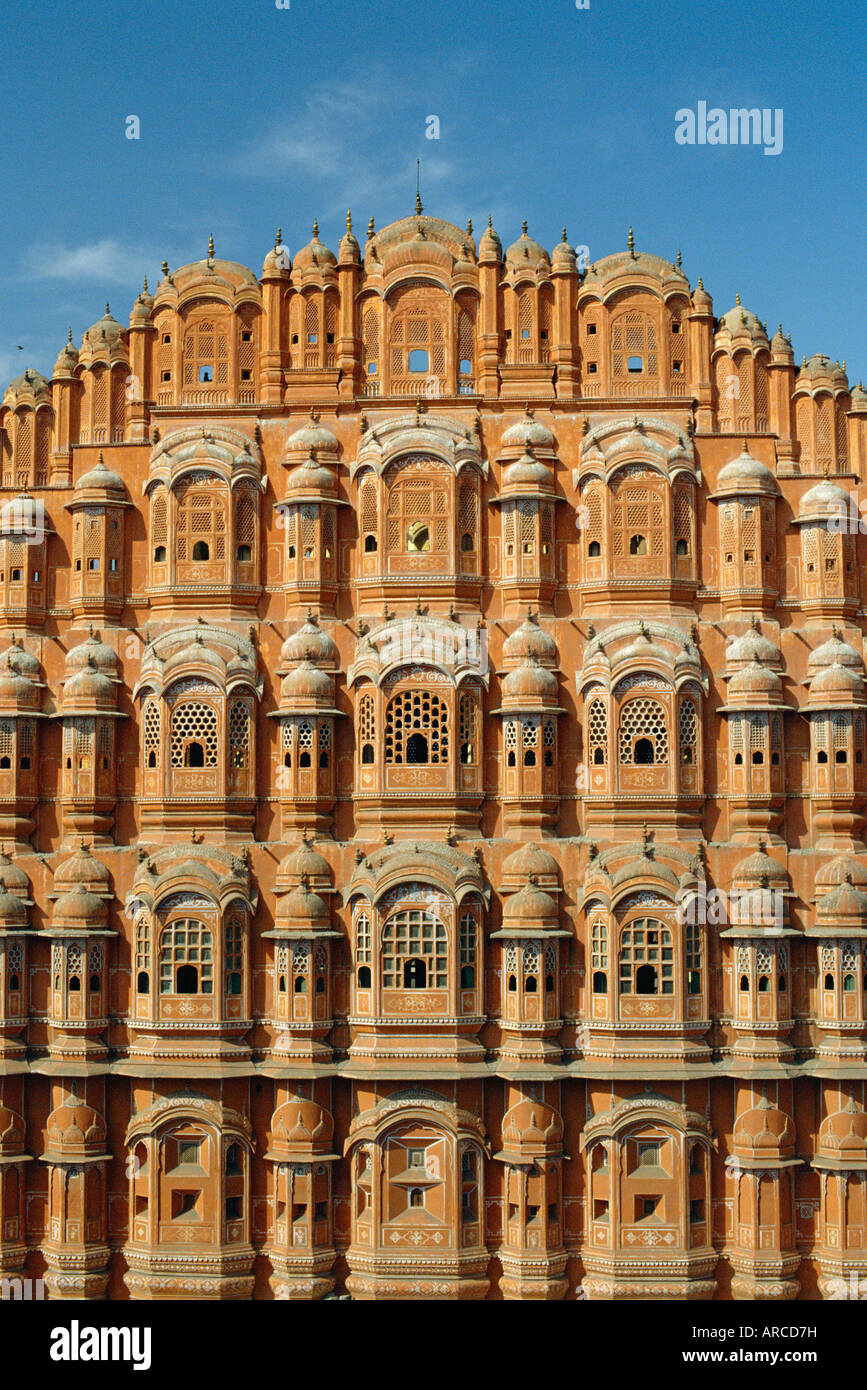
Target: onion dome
(12, 1131)
(528, 431)
(758, 870)
(642, 869)
(834, 652)
(93, 652)
(306, 687)
(843, 1135)
(531, 861)
(764, 1132)
(278, 258)
(642, 649)
(19, 679)
(13, 912)
(105, 330)
(528, 474)
(530, 639)
(747, 474)
(531, 1129)
(302, 911)
(315, 256)
(490, 246)
(843, 869)
(14, 878)
(700, 297)
(843, 907)
(310, 437)
(30, 384)
(141, 310)
(349, 250)
(819, 371)
(749, 648)
(304, 863)
(742, 323)
(824, 500)
(563, 255)
(311, 479)
(310, 642)
(82, 871)
(67, 358)
(301, 1131)
(103, 480)
(859, 398)
(75, 1130)
(781, 347)
(529, 685)
(755, 683)
(530, 910)
(86, 689)
(525, 253)
(79, 911)
(835, 685)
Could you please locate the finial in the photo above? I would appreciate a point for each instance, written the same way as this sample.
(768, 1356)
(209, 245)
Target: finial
(165, 270)
(69, 338)
(348, 222)
(371, 229)
(145, 286)
(746, 447)
(737, 300)
(278, 239)
(678, 261)
(825, 471)
(100, 460)
(490, 223)
(315, 227)
(630, 243)
(211, 247)
(563, 236)
(524, 227)
(645, 838)
(700, 285)
(469, 226)
(418, 206)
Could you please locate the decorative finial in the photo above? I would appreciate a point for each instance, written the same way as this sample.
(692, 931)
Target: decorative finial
(165, 270)
(490, 223)
(700, 285)
(469, 226)
(100, 460)
(678, 262)
(315, 228)
(371, 229)
(563, 236)
(348, 222)
(211, 247)
(278, 239)
(69, 338)
(737, 300)
(630, 243)
(524, 227)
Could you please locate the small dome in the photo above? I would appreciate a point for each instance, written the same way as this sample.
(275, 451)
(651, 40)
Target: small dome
(106, 329)
(278, 258)
(301, 1128)
(819, 369)
(13, 913)
(529, 860)
(843, 1134)
(700, 297)
(89, 686)
(67, 358)
(304, 863)
(75, 1128)
(12, 1131)
(528, 431)
(530, 639)
(859, 397)
(843, 906)
(29, 383)
(17, 659)
(14, 877)
(311, 643)
(755, 679)
(528, 471)
(759, 869)
(532, 1127)
(100, 479)
(78, 909)
(311, 476)
(642, 869)
(825, 499)
(840, 870)
(490, 246)
(349, 250)
(739, 322)
(92, 652)
(746, 472)
(563, 255)
(82, 871)
(642, 649)
(834, 652)
(526, 252)
(764, 1131)
(302, 906)
(530, 682)
(531, 904)
(315, 255)
(308, 683)
(751, 647)
(836, 682)
(780, 344)
(311, 436)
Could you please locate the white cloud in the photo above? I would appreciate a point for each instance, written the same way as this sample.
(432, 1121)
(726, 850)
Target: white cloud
(107, 261)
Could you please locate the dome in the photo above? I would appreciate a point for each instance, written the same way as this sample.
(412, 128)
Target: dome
(843, 1134)
(74, 1129)
(13, 913)
(92, 652)
(302, 908)
(700, 297)
(12, 1132)
(301, 863)
(278, 257)
(528, 471)
(836, 683)
(751, 647)
(840, 870)
(642, 869)
(563, 255)
(528, 431)
(100, 479)
(780, 344)
(89, 686)
(17, 659)
(315, 255)
(834, 652)
(530, 639)
(82, 871)
(311, 436)
(533, 1128)
(490, 246)
(78, 910)
(311, 476)
(105, 330)
(740, 321)
(825, 499)
(764, 1132)
(67, 358)
(301, 1129)
(29, 383)
(307, 683)
(759, 869)
(642, 649)
(529, 860)
(755, 679)
(820, 370)
(211, 274)
(531, 907)
(859, 397)
(525, 252)
(843, 906)
(311, 643)
(746, 473)
(14, 877)
(529, 682)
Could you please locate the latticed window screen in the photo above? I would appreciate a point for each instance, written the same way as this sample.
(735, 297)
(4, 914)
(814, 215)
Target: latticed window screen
(511, 731)
(688, 731)
(840, 724)
(419, 326)
(764, 960)
(820, 732)
(549, 736)
(142, 947)
(633, 335)
(468, 515)
(827, 959)
(468, 946)
(597, 731)
(370, 337)
(245, 519)
(646, 942)
(205, 345)
(363, 940)
(761, 396)
(531, 958)
(193, 721)
(599, 945)
(233, 947)
(469, 752)
(186, 942)
(758, 725)
(638, 511)
(367, 499)
(842, 440)
(414, 934)
(159, 520)
(26, 741)
(643, 719)
(416, 728)
(530, 724)
(7, 739)
(592, 515)
(415, 500)
(24, 448)
(693, 957)
(683, 518)
(466, 345)
(366, 721)
(824, 432)
(152, 740)
(74, 961)
(239, 734)
(202, 521)
(744, 400)
(527, 512)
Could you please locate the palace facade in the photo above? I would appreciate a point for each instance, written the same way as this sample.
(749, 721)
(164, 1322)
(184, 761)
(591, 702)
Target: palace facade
(433, 788)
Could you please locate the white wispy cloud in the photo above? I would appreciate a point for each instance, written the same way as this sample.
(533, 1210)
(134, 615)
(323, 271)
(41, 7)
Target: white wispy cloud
(107, 261)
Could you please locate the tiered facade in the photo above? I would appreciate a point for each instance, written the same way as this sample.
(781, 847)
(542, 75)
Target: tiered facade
(432, 788)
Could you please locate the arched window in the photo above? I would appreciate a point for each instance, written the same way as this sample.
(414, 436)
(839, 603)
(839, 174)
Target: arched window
(152, 738)
(693, 958)
(597, 732)
(194, 735)
(646, 958)
(688, 731)
(367, 728)
(233, 955)
(418, 511)
(633, 344)
(467, 730)
(414, 951)
(142, 958)
(643, 735)
(186, 958)
(201, 521)
(363, 949)
(599, 956)
(468, 950)
(416, 728)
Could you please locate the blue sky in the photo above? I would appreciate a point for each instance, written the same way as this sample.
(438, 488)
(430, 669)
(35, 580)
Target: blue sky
(253, 116)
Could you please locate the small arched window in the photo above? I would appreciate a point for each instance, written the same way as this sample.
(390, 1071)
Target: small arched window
(186, 958)
(414, 951)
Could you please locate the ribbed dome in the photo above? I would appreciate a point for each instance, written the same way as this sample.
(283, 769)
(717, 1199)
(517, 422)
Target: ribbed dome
(820, 369)
(89, 686)
(307, 682)
(302, 1128)
(526, 252)
(739, 320)
(311, 476)
(844, 905)
(825, 499)
(527, 471)
(751, 647)
(315, 255)
(67, 358)
(531, 859)
(311, 436)
(490, 246)
(843, 1134)
(528, 431)
(78, 910)
(13, 913)
(310, 642)
(301, 907)
(92, 652)
(755, 679)
(700, 297)
(757, 869)
(12, 1131)
(533, 1127)
(530, 682)
(838, 870)
(530, 639)
(531, 903)
(747, 473)
(764, 1131)
(75, 1128)
(563, 255)
(834, 652)
(14, 877)
(82, 871)
(836, 682)
(106, 329)
(303, 862)
(641, 649)
(100, 479)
